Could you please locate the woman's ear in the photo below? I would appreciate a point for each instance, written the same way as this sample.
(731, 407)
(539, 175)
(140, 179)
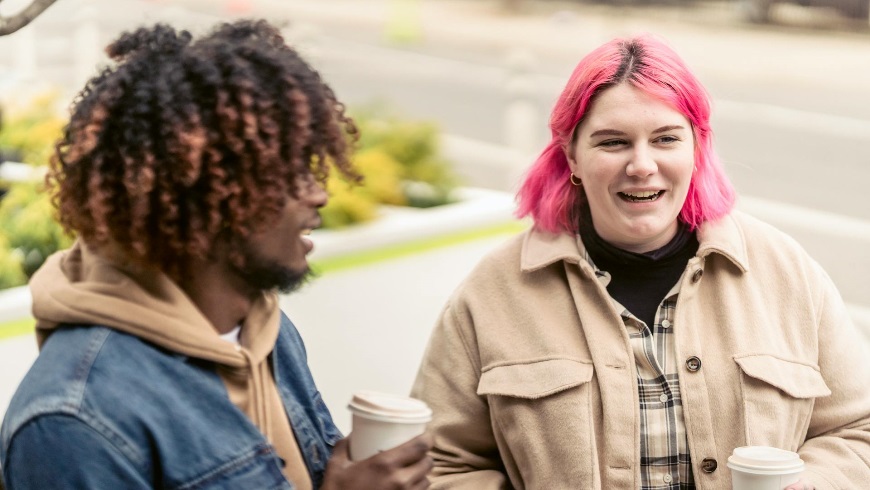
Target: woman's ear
(572, 163)
(567, 150)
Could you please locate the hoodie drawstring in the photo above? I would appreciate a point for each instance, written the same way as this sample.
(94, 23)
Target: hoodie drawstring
(257, 393)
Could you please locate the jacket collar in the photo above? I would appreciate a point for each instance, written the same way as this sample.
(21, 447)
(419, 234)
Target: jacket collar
(723, 236)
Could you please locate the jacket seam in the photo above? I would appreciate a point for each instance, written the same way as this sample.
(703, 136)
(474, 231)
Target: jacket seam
(236, 463)
(824, 478)
(83, 369)
(814, 367)
(462, 339)
(452, 312)
(87, 423)
(534, 360)
(823, 303)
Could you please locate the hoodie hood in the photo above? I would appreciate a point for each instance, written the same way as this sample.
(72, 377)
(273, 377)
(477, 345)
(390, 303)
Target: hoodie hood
(79, 286)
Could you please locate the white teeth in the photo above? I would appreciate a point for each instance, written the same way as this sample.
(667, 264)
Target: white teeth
(642, 195)
(306, 231)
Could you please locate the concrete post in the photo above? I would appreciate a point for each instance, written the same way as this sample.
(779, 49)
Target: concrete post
(522, 121)
(25, 53)
(307, 40)
(403, 22)
(85, 45)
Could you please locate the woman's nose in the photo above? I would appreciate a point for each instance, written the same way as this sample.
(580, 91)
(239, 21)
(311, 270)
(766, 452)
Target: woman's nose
(641, 163)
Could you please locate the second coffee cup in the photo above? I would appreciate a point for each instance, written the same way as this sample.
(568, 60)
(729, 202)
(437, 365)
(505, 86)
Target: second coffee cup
(764, 468)
(382, 421)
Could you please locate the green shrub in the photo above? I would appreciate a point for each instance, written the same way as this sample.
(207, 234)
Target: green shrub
(27, 220)
(29, 230)
(11, 272)
(414, 144)
(400, 165)
(30, 131)
(346, 207)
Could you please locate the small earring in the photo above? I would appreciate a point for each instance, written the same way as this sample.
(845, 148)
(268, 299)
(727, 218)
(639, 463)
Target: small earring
(575, 181)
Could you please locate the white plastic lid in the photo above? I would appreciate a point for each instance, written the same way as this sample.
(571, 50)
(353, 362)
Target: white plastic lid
(390, 408)
(764, 460)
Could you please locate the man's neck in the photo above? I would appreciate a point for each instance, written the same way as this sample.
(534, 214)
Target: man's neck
(221, 296)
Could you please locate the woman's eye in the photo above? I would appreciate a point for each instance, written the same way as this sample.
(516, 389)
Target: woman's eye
(611, 143)
(668, 139)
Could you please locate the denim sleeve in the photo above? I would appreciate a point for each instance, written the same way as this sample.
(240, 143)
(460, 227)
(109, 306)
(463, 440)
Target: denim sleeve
(59, 451)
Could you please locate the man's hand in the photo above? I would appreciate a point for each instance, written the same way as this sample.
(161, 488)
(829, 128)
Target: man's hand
(800, 485)
(402, 468)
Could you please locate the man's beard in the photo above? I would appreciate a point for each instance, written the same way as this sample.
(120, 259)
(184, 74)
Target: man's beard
(264, 274)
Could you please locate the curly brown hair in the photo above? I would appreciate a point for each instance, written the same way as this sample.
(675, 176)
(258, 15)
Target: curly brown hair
(182, 142)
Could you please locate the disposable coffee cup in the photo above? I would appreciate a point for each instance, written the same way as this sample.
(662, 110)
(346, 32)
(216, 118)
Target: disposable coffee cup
(764, 468)
(382, 421)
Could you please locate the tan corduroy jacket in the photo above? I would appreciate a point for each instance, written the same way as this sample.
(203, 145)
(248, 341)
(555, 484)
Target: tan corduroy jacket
(531, 376)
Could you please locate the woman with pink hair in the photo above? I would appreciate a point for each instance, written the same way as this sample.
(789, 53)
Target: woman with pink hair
(642, 329)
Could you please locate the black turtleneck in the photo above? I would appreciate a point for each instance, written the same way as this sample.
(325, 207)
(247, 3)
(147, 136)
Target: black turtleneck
(639, 281)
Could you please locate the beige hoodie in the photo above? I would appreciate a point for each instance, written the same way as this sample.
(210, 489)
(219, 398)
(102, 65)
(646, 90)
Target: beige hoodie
(80, 286)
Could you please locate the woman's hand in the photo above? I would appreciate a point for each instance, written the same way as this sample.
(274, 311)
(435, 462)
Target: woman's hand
(800, 485)
(402, 468)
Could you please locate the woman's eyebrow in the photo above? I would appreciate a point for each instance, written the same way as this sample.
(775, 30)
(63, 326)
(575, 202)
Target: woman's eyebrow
(607, 132)
(668, 128)
(615, 132)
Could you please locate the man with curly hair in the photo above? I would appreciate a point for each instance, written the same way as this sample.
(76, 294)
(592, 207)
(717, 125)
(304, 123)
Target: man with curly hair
(191, 172)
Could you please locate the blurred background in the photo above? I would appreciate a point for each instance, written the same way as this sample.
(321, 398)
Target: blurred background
(453, 98)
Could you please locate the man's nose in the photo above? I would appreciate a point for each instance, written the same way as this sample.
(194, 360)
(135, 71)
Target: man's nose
(312, 192)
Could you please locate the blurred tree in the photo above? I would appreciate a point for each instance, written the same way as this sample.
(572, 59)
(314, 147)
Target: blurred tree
(8, 25)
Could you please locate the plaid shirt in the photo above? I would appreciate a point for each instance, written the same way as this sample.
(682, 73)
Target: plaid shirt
(665, 463)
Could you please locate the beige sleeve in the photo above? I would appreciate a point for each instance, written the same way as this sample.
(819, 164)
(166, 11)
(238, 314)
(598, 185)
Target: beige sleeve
(837, 449)
(465, 451)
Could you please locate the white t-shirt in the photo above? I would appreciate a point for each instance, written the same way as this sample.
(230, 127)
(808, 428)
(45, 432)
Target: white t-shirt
(233, 335)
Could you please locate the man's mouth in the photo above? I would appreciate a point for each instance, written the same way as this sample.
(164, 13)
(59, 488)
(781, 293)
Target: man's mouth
(643, 196)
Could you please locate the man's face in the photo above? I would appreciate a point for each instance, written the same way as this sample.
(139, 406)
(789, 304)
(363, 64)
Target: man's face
(275, 257)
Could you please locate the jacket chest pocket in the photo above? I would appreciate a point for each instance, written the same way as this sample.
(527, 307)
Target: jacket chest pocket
(541, 414)
(262, 471)
(778, 399)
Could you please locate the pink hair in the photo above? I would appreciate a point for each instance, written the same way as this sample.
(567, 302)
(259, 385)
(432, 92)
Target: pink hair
(653, 67)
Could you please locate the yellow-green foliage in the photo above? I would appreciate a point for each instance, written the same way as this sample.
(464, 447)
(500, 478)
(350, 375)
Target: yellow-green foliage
(32, 130)
(400, 165)
(27, 221)
(382, 176)
(11, 272)
(427, 179)
(356, 203)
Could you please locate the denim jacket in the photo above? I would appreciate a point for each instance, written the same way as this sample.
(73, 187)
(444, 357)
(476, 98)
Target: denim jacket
(106, 410)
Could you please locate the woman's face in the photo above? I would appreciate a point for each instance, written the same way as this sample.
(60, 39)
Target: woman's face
(635, 157)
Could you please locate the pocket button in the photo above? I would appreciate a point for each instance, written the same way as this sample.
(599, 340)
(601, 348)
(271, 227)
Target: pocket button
(693, 364)
(709, 465)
